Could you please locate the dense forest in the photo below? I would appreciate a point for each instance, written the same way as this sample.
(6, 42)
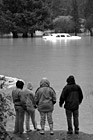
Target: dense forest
(27, 16)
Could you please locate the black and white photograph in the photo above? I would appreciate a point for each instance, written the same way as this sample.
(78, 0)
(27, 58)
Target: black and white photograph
(46, 69)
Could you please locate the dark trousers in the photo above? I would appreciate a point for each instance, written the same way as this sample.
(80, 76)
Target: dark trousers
(19, 119)
(75, 115)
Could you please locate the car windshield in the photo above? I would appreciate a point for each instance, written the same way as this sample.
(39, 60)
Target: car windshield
(68, 36)
(62, 35)
(58, 36)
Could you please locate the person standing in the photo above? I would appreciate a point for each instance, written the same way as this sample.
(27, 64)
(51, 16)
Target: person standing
(30, 105)
(72, 96)
(45, 98)
(19, 118)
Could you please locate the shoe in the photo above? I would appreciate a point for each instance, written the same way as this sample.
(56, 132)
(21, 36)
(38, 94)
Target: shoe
(37, 129)
(76, 132)
(42, 132)
(29, 130)
(70, 132)
(20, 134)
(51, 132)
(15, 132)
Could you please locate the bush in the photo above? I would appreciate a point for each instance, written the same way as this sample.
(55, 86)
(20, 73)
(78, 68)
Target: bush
(6, 110)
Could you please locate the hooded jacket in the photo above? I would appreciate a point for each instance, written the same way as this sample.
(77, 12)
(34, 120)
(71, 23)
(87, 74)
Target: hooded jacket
(45, 97)
(71, 95)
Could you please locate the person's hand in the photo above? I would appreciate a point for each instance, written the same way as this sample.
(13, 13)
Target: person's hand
(60, 105)
(54, 102)
(35, 106)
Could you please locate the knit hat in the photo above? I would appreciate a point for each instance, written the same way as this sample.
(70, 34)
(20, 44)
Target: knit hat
(29, 86)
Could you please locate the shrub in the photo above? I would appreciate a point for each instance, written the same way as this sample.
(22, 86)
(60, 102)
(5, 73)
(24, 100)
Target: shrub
(6, 110)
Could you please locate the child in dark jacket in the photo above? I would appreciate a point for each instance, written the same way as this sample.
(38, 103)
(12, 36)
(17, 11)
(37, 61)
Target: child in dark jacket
(72, 96)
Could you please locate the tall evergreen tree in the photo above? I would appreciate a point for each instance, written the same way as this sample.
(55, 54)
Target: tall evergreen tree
(88, 8)
(75, 16)
(57, 8)
(89, 16)
(25, 16)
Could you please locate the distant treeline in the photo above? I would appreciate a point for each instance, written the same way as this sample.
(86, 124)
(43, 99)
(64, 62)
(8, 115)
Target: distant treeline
(27, 16)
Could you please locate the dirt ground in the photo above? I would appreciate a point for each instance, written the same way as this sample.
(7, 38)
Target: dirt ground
(58, 135)
(86, 123)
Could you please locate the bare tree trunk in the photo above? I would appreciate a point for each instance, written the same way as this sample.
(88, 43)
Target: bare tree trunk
(75, 31)
(91, 32)
(15, 35)
(25, 35)
(32, 35)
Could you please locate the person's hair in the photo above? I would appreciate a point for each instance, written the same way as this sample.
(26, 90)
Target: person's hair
(19, 84)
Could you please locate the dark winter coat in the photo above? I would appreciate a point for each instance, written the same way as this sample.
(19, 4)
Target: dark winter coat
(71, 95)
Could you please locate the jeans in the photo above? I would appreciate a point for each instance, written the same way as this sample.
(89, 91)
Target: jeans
(19, 119)
(30, 114)
(75, 114)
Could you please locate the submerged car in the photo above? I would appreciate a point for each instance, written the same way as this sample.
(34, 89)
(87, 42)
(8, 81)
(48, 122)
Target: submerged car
(59, 36)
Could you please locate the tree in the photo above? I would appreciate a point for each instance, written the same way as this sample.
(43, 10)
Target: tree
(8, 15)
(63, 24)
(75, 16)
(58, 8)
(23, 16)
(81, 5)
(89, 16)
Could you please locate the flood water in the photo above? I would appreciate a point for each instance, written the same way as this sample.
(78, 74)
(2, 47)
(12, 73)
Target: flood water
(32, 59)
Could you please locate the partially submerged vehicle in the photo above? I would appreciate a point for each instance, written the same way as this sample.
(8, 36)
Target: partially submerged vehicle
(59, 36)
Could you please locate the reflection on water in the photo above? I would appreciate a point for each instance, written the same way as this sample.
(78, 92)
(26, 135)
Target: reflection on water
(32, 59)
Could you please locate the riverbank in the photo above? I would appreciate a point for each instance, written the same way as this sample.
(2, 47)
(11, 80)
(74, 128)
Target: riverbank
(85, 117)
(58, 135)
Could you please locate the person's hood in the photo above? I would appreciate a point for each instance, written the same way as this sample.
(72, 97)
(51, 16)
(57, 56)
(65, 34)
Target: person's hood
(44, 83)
(29, 86)
(70, 80)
